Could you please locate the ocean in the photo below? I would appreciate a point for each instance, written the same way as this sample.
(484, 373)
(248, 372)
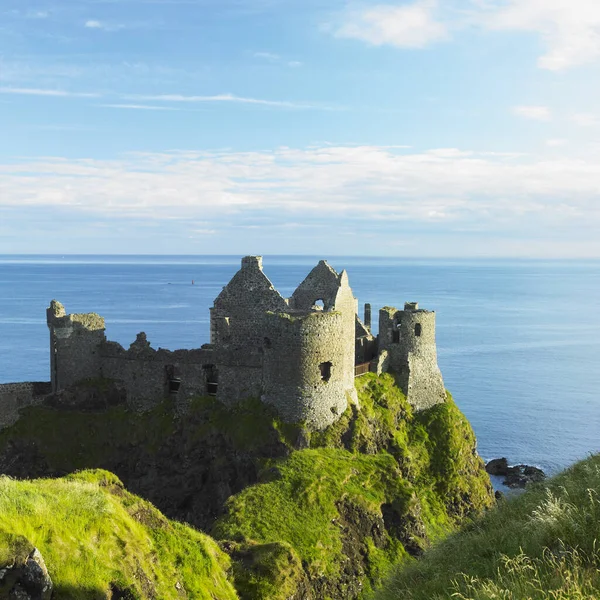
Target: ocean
(518, 341)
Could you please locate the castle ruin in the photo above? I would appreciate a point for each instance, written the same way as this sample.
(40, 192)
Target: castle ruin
(299, 354)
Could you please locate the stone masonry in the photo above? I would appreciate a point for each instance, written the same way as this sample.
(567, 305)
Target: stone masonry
(408, 337)
(299, 354)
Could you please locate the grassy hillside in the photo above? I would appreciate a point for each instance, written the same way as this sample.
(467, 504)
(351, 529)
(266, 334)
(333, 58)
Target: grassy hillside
(321, 515)
(97, 539)
(374, 488)
(543, 544)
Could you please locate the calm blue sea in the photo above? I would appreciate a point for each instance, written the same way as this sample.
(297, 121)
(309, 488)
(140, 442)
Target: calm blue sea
(519, 342)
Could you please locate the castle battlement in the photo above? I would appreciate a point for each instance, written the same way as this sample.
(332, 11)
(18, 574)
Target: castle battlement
(299, 354)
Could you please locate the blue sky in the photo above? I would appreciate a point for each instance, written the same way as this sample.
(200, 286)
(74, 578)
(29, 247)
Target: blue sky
(409, 128)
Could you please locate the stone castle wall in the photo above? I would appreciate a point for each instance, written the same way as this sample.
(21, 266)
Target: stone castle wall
(324, 284)
(297, 354)
(408, 336)
(150, 375)
(15, 396)
(238, 330)
(74, 345)
(304, 373)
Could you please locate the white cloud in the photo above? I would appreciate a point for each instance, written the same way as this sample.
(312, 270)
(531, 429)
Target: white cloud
(277, 59)
(407, 26)
(585, 119)
(93, 24)
(231, 98)
(536, 113)
(137, 107)
(570, 29)
(37, 14)
(170, 98)
(556, 143)
(451, 185)
(46, 92)
(204, 231)
(267, 56)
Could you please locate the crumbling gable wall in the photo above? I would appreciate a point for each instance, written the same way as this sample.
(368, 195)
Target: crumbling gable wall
(238, 330)
(324, 284)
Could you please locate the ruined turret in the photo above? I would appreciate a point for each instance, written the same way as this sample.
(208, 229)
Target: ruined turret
(408, 336)
(309, 353)
(74, 345)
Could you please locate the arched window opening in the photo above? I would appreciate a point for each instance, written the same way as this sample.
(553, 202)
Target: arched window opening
(325, 369)
(418, 329)
(319, 304)
(267, 343)
(395, 336)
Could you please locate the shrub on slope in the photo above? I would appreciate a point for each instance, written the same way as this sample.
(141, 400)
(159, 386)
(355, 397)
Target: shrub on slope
(542, 544)
(98, 540)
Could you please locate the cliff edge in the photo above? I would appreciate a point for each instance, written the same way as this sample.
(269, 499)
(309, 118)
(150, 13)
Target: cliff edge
(301, 514)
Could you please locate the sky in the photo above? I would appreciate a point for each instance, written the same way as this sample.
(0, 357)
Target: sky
(414, 128)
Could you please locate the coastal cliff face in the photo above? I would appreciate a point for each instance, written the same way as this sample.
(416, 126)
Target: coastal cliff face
(301, 514)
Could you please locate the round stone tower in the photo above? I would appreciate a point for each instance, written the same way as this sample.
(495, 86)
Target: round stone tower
(416, 330)
(304, 375)
(409, 338)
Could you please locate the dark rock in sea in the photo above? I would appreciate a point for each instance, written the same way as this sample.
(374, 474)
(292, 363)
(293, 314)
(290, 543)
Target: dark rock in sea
(498, 466)
(521, 475)
(499, 496)
(517, 476)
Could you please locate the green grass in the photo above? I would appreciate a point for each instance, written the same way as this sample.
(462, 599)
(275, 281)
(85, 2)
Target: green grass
(71, 440)
(381, 455)
(267, 570)
(314, 511)
(249, 424)
(300, 507)
(92, 533)
(542, 544)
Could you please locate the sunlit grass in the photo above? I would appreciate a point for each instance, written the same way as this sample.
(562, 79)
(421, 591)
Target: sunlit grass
(92, 533)
(543, 544)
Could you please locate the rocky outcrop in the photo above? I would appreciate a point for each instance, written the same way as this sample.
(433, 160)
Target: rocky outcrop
(516, 476)
(497, 466)
(26, 579)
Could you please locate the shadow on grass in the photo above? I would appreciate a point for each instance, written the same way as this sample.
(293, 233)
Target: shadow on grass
(81, 592)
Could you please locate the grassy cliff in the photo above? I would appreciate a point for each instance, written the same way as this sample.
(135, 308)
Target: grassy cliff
(321, 515)
(374, 488)
(99, 541)
(544, 544)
